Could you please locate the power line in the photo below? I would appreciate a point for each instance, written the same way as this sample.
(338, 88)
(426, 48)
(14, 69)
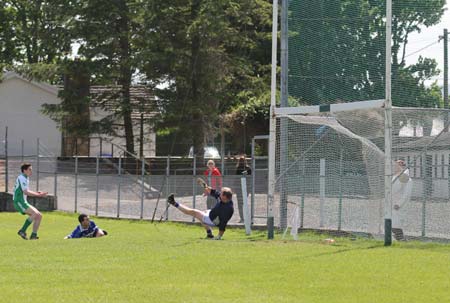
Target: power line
(423, 48)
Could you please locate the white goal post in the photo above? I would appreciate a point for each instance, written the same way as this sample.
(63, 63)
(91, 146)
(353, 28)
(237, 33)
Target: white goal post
(335, 171)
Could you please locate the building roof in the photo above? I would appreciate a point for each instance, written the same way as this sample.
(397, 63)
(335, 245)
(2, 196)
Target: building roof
(441, 142)
(44, 86)
(142, 100)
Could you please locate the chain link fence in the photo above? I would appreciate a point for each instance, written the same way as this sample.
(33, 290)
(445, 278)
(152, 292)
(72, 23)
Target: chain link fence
(127, 187)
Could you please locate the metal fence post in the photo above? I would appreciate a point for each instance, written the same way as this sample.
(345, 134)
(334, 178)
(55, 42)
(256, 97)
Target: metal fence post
(97, 164)
(55, 189)
(252, 202)
(142, 186)
(76, 184)
(89, 147)
(168, 182)
(118, 185)
(194, 187)
(101, 146)
(6, 160)
(340, 189)
(23, 149)
(37, 164)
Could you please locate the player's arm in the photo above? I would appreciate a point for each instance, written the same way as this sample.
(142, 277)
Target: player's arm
(207, 190)
(404, 176)
(75, 234)
(206, 187)
(222, 227)
(32, 193)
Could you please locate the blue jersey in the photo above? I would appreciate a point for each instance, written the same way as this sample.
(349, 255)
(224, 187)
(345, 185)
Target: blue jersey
(222, 212)
(80, 232)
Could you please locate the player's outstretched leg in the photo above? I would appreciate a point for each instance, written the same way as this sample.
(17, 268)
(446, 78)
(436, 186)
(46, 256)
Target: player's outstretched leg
(184, 209)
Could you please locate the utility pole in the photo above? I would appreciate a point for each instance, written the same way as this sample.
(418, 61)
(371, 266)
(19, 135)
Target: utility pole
(445, 86)
(445, 68)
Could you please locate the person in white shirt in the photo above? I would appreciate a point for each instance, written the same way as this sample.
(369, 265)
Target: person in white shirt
(401, 195)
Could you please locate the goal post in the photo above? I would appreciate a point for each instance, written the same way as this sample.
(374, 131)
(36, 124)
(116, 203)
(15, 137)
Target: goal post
(334, 151)
(336, 167)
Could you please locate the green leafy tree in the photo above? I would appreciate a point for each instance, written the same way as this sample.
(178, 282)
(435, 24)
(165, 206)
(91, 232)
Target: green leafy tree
(106, 32)
(8, 50)
(209, 55)
(337, 50)
(34, 31)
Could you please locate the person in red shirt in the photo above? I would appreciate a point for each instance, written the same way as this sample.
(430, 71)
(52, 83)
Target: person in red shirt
(214, 179)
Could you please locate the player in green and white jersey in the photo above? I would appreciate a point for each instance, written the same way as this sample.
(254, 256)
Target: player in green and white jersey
(21, 191)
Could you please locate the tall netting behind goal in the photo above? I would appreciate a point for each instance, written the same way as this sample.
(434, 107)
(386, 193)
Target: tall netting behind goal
(334, 171)
(330, 121)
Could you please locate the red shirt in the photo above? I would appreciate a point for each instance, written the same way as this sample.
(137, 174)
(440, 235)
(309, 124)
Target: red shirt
(216, 178)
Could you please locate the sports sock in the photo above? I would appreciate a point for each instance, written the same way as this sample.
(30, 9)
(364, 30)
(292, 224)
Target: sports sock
(33, 234)
(209, 232)
(27, 223)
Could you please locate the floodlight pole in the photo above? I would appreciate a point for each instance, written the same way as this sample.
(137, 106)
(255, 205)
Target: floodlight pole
(272, 127)
(388, 132)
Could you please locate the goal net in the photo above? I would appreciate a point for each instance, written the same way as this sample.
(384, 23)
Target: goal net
(327, 139)
(330, 165)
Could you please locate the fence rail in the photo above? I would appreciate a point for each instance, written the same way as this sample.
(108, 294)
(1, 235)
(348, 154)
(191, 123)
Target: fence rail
(129, 187)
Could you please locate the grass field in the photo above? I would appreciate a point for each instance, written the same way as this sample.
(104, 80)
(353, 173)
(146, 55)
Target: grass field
(167, 262)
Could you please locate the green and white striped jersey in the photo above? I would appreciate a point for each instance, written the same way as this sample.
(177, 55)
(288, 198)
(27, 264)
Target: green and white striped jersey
(22, 184)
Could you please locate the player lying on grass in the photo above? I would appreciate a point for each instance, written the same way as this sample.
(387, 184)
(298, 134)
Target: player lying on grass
(86, 229)
(219, 215)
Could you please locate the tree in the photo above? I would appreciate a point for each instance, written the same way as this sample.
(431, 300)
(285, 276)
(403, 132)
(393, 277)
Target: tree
(340, 50)
(72, 114)
(104, 30)
(209, 58)
(8, 50)
(34, 31)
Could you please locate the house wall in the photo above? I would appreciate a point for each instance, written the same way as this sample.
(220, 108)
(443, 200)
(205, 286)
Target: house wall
(20, 105)
(440, 161)
(149, 137)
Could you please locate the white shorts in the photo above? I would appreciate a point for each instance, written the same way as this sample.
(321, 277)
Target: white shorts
(207, 220)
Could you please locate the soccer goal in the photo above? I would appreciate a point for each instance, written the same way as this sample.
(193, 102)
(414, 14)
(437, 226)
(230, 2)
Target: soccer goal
(335, 133)
(330, 166)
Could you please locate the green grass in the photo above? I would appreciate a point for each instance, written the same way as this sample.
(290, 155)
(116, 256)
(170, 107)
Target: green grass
(164, 262)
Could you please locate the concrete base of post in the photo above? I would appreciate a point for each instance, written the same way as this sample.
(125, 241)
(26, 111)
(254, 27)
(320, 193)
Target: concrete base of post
(387, 232)
(270, 225)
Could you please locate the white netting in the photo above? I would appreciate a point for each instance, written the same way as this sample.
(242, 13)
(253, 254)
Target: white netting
(331, 165)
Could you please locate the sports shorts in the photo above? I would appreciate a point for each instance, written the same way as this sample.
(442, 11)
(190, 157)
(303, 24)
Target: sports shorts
(21, 206)
(207, 220)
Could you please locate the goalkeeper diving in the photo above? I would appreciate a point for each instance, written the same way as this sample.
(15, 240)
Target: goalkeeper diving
(218, 216)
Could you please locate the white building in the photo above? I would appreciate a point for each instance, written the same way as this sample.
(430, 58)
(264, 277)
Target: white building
(21, 102)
